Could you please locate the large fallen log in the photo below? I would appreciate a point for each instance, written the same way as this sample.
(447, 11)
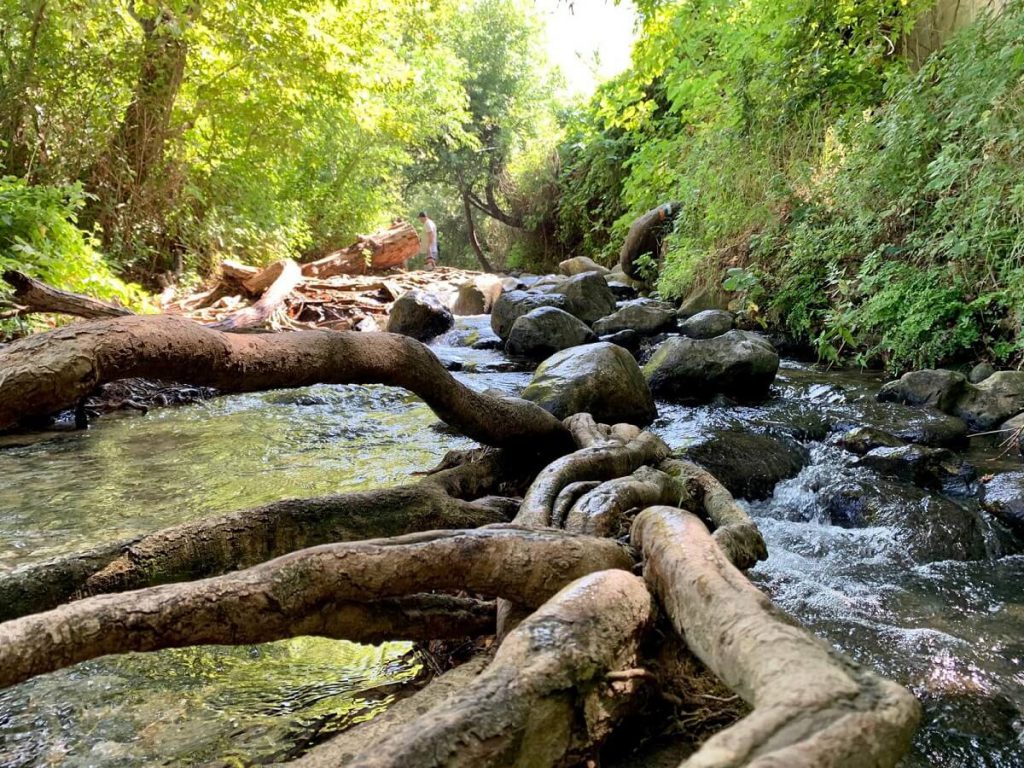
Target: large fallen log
(391, 247)
(545, 700)
(35, 296)
(299, 593)
(47, 372)
(812, 707)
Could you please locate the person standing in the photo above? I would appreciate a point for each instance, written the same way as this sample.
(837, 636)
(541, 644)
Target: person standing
(428, 241)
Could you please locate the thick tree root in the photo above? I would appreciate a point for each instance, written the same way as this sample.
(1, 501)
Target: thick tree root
(545, 700)
(734, 531)
(603, 510)
(812, 707)
(345, 747)
(47, 372)
(216, 545)
(269, 601)
(602, 461)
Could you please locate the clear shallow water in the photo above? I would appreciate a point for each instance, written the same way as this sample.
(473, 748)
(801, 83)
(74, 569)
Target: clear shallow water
(951, 631)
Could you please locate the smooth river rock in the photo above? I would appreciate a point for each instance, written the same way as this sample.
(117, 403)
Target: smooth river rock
(543, 331)
(588, 296)
(419, 314)
(739, 364)
(707, 324)
(600, 379)
(512, 305)
(645, 316)
(747, 464)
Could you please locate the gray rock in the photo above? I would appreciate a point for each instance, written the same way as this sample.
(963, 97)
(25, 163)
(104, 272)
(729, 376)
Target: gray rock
(512, 305)
(1003, 496)
(622, 290)
(864, 439)
(993, 401)
(549, 283)
(937, 388)
(707, 324)
(628, 339)
(645, 316)
(738, 363)
(419, 314)
(929, 528)
(588, 297)
(477, 296)
(600, 379)
(748, 465)
(543, 331)
(980, 372)
(1012, 430)
(580, 264)
(924, 426)
(935, 468)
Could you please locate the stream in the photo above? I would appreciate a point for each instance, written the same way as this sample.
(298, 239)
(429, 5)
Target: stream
(952, 631)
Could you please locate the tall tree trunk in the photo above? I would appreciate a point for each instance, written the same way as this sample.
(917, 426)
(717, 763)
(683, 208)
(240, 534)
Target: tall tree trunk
(474, 241)
(119, 178)
(14, 95)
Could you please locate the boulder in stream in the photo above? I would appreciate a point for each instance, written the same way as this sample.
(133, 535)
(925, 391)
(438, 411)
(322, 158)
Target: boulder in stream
(937, 388)
(707, 324)
(739, 364)
(644, 316)
(600, 379)
(935, 468)
(419, 314)
(1003, 497)
(580, 264)
(864, 439)
(992, 401)
(512, 305)
(747, 464)
(588, 297)
(543, 331)
(477, 296)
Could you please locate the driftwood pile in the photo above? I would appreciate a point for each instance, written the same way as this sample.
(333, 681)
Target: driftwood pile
(351, 288)
(281, 297)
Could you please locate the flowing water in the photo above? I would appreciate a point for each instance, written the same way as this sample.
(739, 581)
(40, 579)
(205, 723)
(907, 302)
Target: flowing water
(951, 631)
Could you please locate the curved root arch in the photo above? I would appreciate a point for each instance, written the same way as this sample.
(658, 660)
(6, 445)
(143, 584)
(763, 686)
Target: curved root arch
(47, 372)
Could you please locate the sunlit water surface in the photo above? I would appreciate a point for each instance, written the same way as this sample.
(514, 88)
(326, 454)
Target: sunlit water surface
(952, 631)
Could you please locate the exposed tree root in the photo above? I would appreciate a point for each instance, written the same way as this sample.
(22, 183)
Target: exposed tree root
(734, 531)
(812, 707)
(603, 461)
(215, 545)
(545, 699)
(602, 512)
(47, 372)
(267, 601)
(345, 747)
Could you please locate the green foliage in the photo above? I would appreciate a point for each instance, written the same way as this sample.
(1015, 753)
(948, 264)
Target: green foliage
(912, 254)
(38, 236)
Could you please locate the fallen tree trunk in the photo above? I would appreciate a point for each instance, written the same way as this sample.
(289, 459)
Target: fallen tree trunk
(36, 296)
(812, 707)
(47, 372)
(390, 247)
(274, 283)
(292, 594)
(545, 700)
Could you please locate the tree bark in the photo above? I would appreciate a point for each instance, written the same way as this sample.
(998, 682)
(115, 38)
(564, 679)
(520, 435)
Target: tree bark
(474, 240)
(36, 296)
(49, 371)
(645, 237)
(812, 707)
(545, 699)
(293, 594)
(598, 462)
(391, 247)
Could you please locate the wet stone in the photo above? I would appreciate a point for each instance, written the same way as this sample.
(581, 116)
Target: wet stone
(1003, 497)
(707, 324)
(935, 468)
(748, 465)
